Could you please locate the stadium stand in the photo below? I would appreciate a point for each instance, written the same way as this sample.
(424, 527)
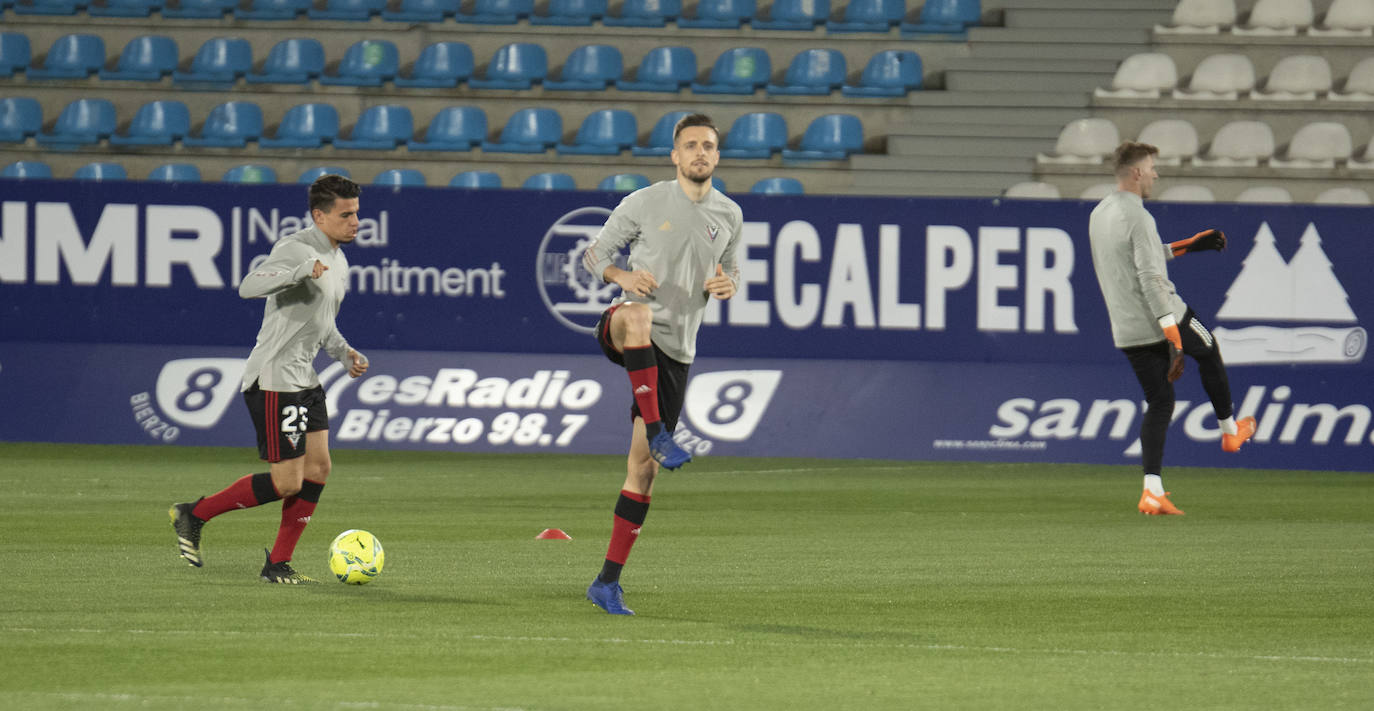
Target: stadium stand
(741, 70)
(778, 186)
(891, 72)
(1297, 77)
(272, 10)
(829, 137)
(660, 141)
(1187, 193)
(454, 128)
(720, 14)
(1085, 140)
(571, 13)
(313, 174)
(591, 67)
(1033, 190)
(644, 13)
(398, 177)
(1200, 17)
(498, 12)
(476, 179)
(1276, 17)
(101, 170)
(72, 56)
(160, 122)
(175, 173)
(755, 135)
(814, 72)
(1239, 143)
(869, 16)
(441, 65)
(124, 8)
(531, 130)
(145, 58)
(1220, 76)
(549, 181)
(663, 69)
(945, 17)
(250, 173)
(604, 132)
(623, 182)
(1343, 196)
(1319, 144)
(198, 9)
(20, 118)
(380, 128)
(15, 53)
(422, 11)
(232, 124)
(352, 10)
(516, 66)
(82, 122)
(1176, 139)
(305, 126)
(1346, 18)
(369, 62)
(294, 60)
(27, 169)
(1267, 194)
(1145, 75)
(220, 60)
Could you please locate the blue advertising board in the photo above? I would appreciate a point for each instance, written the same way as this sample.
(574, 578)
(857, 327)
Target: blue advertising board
(864, 327)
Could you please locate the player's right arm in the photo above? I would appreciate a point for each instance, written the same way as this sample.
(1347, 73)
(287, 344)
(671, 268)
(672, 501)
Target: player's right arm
(288, 264)
(621, 228)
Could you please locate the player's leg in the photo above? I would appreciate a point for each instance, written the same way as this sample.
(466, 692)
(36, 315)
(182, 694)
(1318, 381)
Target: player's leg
(631, 508)
(1151, 366)
(248, 491)
(305, 482)
(627, 330)
(1203, 348)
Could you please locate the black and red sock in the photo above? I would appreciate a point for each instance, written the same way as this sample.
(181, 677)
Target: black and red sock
(630, 511)
(642, 366)
(249, 491)
(295, 515)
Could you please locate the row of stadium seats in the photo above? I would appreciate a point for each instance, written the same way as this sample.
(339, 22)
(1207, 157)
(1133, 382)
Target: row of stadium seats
(1243, 143)
(253, 173)
(1344, 18)
(235, 124)
(1228, 76)
(515, 66)
(937, 17)
(1269, 194)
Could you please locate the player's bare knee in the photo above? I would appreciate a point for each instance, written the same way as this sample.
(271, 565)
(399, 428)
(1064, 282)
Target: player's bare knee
(638, 319)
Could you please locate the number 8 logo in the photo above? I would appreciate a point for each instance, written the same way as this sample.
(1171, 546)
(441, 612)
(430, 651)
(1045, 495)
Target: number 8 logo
(728, 405)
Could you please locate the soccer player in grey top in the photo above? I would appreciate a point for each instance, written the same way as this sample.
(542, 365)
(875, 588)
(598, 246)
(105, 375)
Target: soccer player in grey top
(1146, 314)
(303, 282)
(682, 235)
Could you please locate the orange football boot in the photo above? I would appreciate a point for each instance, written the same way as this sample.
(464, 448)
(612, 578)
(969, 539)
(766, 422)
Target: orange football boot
(1155, 505)
(1245, 429)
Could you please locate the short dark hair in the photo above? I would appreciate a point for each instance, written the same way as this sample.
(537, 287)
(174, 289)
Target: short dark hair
(691, 120)
(1129, 153)
(328, 188)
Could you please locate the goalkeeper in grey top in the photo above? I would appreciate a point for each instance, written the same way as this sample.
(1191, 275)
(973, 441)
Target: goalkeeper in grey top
(1150, 322)
(303, 282)
(682, 235)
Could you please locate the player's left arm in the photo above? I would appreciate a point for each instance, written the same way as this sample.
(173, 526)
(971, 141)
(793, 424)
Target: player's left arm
(1212, 239)
(724, 282)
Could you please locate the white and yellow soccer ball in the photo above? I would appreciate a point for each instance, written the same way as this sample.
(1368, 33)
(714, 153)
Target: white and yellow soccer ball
(356, 557)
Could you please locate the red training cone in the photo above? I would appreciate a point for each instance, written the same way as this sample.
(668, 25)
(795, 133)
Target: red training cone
(553, 534)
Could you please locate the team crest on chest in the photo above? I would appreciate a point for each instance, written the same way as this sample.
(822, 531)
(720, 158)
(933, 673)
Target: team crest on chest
(712, 231)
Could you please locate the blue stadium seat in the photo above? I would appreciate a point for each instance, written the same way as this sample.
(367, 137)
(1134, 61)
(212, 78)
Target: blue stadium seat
(231, 124)
(20, 117)
(572, 13)
(945, 19)
(518, 66)
(869, 16)
(814, 72)
(794, 15)
(15, 53)
(717, 183)
(176, 173)
(778, 186)
(100, 170)
(475, 179)
(145, 58)
(220, 60)
(157, 123)
(82, 122)
(440, 65)
(623, 182)
(454, 128)
(644, 13)
(422, 11)
(205, 9)
(660, 141)
(367, 62)
(305, 126)
(295, 60)
(606, 132)
(755, 135)
(891, 72)
(314, 174)
(74, 56)
(720, 14)
(498, 12)
(355, 10)
(549, 181)
(532, 130)
(380, 128)
(829, 137)
(741, 70)
(663, 69)
(30, 169)
(273, 10)
(591, 67)
(397, 177)
(250, 173)
(48, 7)
(124, 8)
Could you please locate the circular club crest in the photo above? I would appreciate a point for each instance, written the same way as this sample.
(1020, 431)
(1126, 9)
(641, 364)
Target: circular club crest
(574, 296)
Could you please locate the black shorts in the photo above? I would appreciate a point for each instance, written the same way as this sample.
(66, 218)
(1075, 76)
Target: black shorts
(672, 375)
(282, 419)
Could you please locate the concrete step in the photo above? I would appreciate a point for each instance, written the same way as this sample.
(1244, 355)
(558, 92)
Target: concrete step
(960, 183)
(947, 164)
(962, 80)
(998, 99)
(1101, 18)
(1045, 36)
(995, 49)
(1087, 4)
(929, 190)
(971, 146)
(944, 130)
(1029, 64)
(993, 119)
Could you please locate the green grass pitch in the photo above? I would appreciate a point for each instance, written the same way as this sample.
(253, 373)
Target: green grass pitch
(759, 584)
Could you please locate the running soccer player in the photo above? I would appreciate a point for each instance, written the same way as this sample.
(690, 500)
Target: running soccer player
(682, 236)
(1150, 323)
(303, 281)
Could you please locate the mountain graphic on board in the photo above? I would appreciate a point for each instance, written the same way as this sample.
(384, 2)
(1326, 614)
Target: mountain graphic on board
(1304, 290)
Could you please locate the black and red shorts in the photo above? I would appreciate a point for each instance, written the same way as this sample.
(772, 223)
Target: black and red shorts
(282, 419)
(672, 375)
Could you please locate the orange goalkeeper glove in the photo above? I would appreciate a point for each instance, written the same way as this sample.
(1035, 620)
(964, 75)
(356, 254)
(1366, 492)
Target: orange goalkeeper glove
(1205, 240)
